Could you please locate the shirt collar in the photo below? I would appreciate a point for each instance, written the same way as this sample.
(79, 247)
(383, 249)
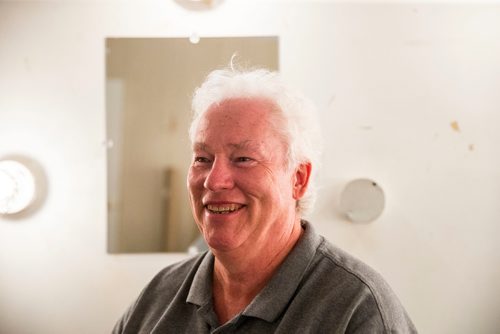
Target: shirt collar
(200, 292)
(275, 296)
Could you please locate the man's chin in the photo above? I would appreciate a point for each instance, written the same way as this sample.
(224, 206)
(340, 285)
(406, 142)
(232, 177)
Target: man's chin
(220, 244)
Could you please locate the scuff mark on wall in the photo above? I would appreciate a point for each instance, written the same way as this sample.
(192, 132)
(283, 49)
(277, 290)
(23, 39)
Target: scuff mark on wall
(332, 100)
(27, 64)
(454, 125)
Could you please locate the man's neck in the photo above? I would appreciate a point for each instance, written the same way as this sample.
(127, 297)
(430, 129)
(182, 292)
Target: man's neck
(241, 274)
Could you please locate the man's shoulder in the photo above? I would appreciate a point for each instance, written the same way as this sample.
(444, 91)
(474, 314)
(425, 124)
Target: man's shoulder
(171, 282)
(357, 280)
(337, 269)
(358, 271)
(176, 273)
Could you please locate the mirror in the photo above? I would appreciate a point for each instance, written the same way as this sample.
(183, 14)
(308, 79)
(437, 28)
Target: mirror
(149, 84)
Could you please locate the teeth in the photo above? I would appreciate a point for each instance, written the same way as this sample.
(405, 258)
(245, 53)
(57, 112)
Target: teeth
(223, 209)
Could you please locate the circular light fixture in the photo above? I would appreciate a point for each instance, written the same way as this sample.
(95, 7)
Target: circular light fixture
(362, 201)
(17, 187)
(194, 38)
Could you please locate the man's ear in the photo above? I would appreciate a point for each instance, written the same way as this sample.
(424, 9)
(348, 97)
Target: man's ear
(301, 180)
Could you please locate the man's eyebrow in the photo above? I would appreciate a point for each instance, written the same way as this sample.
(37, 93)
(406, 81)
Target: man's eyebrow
(246, 144)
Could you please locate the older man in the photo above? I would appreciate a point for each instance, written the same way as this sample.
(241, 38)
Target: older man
(267, 271)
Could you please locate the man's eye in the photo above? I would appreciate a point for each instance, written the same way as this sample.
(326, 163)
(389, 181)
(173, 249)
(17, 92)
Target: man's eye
(201, 160)
(243, 159)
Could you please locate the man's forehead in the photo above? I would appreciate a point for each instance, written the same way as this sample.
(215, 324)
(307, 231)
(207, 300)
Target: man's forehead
(245, 106)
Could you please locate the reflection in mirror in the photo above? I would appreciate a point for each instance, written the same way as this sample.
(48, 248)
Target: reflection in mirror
(149, 84)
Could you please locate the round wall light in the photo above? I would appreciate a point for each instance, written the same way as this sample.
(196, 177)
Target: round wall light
(17, 187)
(362, 201)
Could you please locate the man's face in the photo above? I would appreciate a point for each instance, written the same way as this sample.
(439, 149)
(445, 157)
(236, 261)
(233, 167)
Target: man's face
(241, 190)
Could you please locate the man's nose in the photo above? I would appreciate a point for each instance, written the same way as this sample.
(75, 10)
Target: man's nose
(220, 176)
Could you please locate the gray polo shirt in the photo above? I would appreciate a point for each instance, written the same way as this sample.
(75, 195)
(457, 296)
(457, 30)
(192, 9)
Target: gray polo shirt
(317, 289)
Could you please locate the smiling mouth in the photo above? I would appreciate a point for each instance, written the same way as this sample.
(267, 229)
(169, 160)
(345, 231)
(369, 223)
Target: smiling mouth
(223, 209)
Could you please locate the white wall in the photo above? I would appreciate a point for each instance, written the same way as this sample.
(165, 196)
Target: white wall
(388, 80)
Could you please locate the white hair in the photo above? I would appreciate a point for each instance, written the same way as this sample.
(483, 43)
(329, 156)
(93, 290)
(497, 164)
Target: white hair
(296, 121)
